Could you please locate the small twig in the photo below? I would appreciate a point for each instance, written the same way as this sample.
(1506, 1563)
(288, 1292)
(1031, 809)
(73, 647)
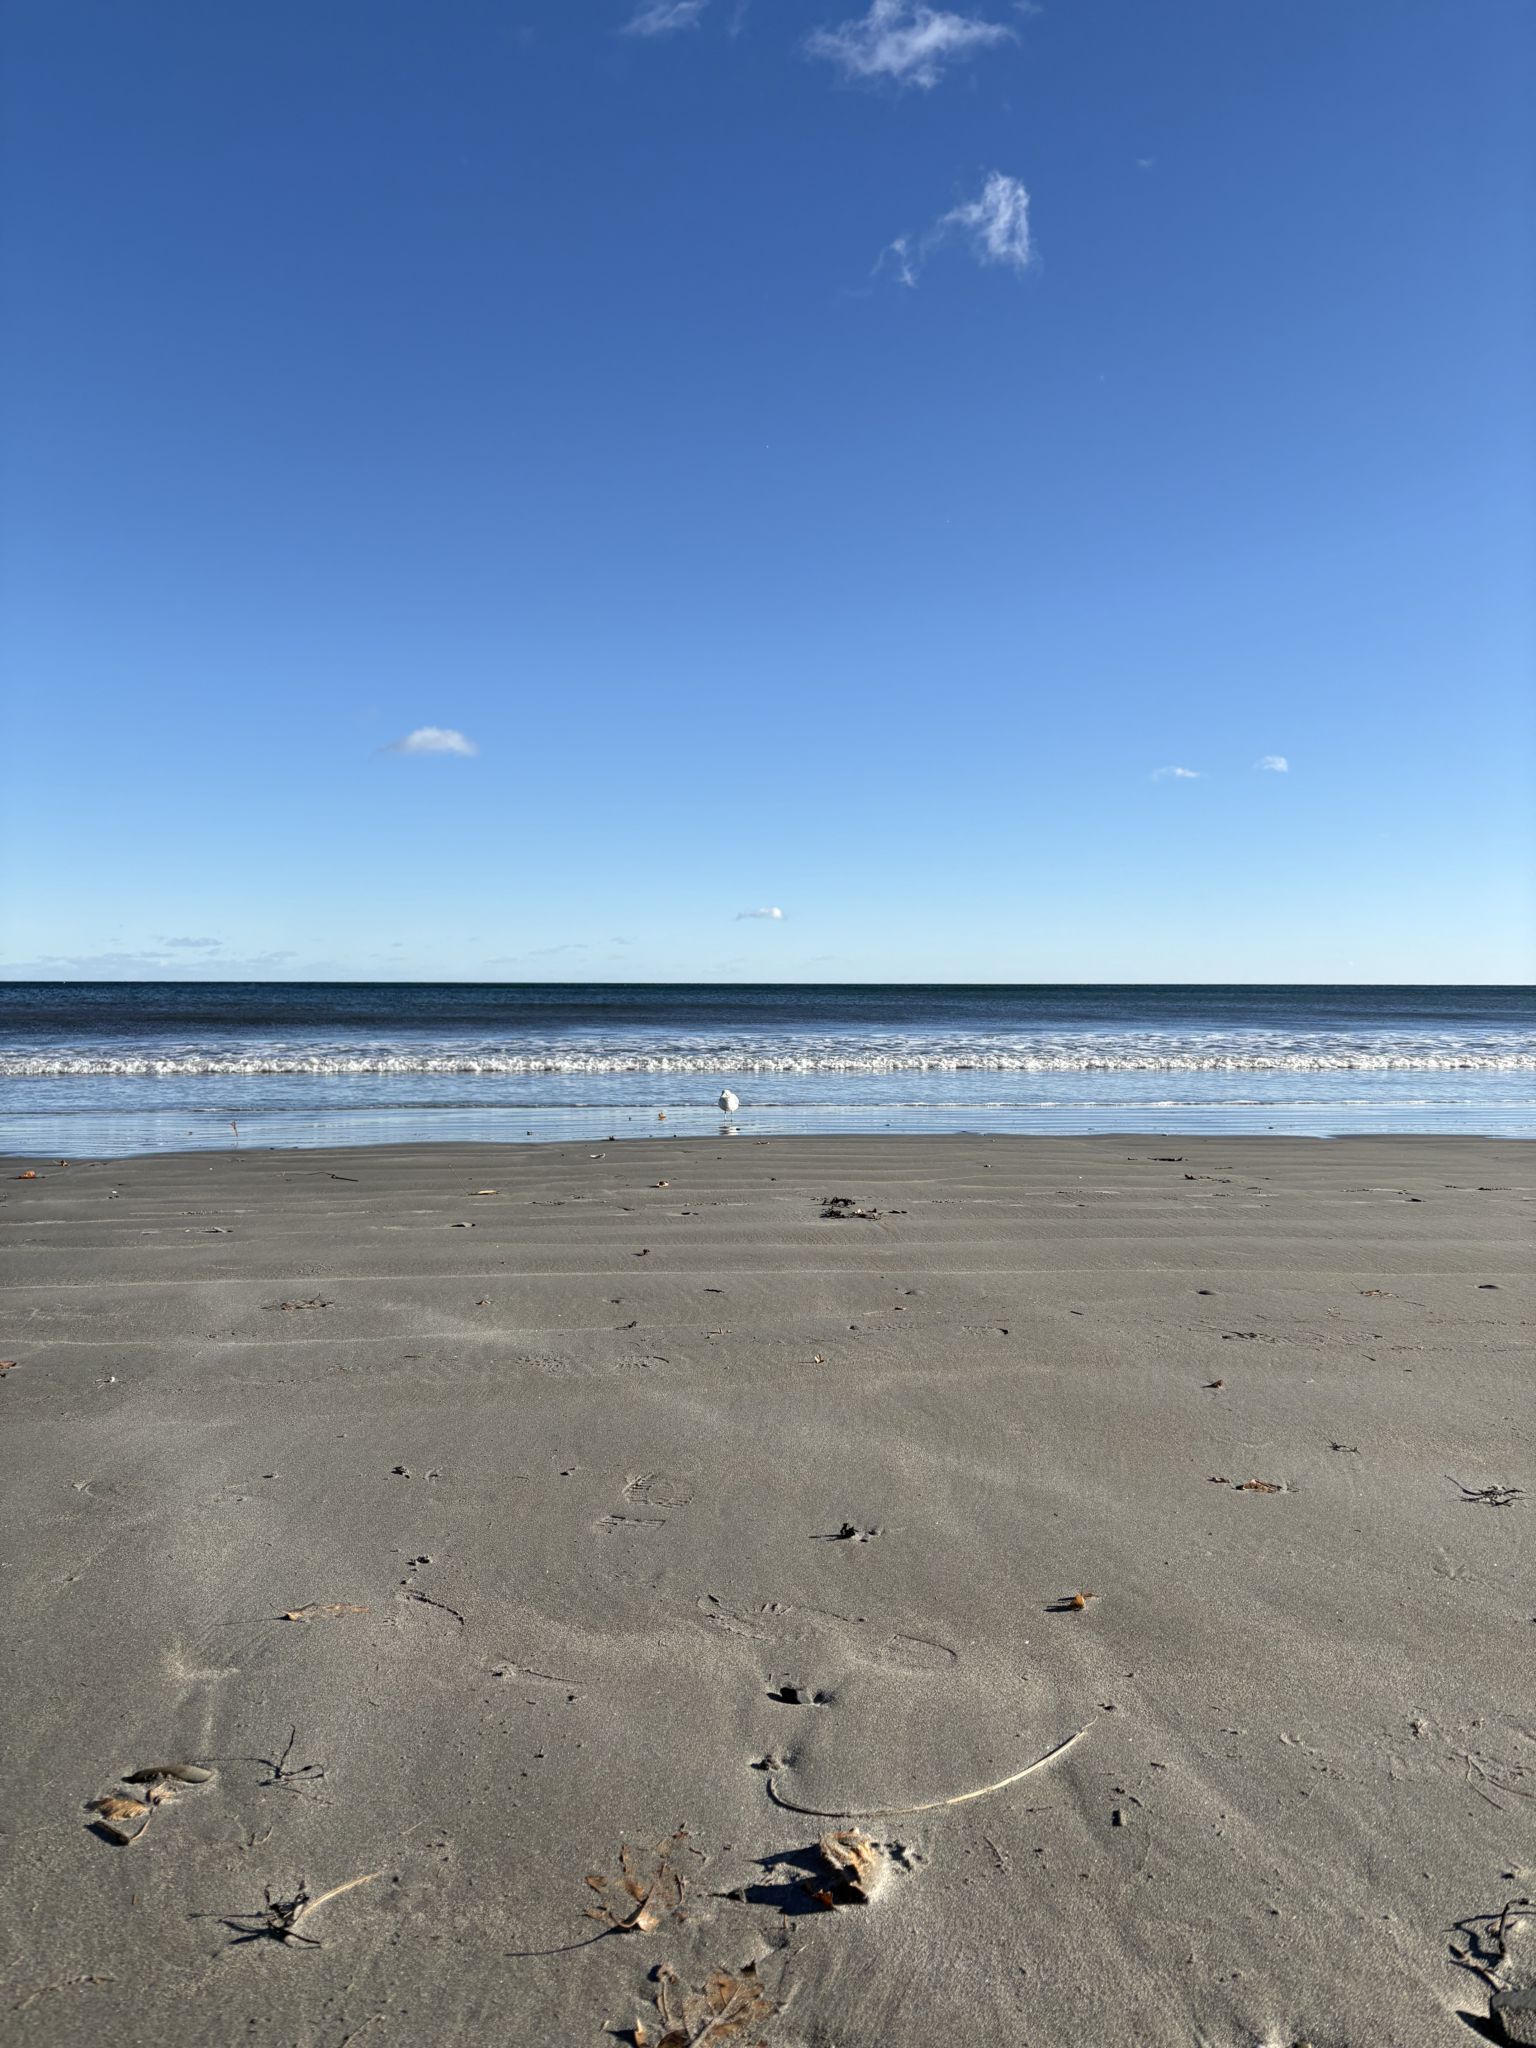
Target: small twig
(280, 1773)
(427, 1600)
(927, 1805)
(279, 1919)
(335, 1892)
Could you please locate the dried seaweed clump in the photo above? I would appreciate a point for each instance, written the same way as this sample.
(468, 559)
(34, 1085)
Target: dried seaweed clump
(856, 1868)
(644, 1898)
(731, 2003)
(123, 1817)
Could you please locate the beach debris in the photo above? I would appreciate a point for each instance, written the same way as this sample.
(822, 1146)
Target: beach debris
(644, 1899)
(461, 1226)
(116, 1815)
(415, 1593)
(1493, 1496)
(326, 1610)
(1260, 1486)
(927, 1805)
(1515, 2012)
(730, 2003)
(1486, 1954)
(8, 1365)
(849, 1532)
(1072, 1603)
(291, 1780)
(279, 1918)
(1211, 1385)
(123, 1817)
(857, 1866)
(661, 1183)
(316, 1301)
(644, 1253)
(30, 1174)
(791, 1695)
(486, 1191)
(843, 1209)
(1352, 1449)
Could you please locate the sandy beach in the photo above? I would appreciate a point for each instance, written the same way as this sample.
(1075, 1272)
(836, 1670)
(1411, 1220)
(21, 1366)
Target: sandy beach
(471, 1512)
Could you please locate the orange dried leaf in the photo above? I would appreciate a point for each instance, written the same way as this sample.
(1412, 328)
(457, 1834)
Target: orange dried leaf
(1260, 1486)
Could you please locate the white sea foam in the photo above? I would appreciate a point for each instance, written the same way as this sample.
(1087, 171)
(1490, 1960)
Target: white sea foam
(1234, 1052)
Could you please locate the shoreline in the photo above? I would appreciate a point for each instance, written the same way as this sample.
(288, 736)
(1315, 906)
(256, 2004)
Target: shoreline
(620, 1485)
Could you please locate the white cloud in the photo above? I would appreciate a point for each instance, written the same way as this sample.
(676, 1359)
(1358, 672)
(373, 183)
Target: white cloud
(433, 739)
(1176, 774)
(996, 223)
(905, 41)
(194, 945)
(769, 911)
(661, 17)
(1276, 764)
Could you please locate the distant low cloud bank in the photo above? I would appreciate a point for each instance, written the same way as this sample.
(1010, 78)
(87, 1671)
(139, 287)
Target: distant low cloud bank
(432, 739)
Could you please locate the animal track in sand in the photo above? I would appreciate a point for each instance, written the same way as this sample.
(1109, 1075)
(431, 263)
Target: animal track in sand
(623, 1525)
(659, 1490)
(773, 1621)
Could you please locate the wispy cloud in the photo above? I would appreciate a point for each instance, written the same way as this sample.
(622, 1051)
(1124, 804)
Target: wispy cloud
(432, 739)
(771, 911)
(662, 17)
(996, 224)
(1176, 774)
(906, 42)
(1274, 764)
(193, 945)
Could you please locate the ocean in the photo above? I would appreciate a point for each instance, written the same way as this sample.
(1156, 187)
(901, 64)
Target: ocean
(113, 1068)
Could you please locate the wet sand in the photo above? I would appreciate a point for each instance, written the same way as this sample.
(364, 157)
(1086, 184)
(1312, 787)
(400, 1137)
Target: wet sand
(653, 1496)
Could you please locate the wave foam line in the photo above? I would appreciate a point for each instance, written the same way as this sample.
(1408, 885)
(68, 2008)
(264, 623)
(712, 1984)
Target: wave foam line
(511, 1065)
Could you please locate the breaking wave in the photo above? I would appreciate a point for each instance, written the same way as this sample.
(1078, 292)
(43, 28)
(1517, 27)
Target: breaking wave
(1233, 1053)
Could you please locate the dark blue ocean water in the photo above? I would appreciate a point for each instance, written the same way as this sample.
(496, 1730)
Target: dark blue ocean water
(116, 1067)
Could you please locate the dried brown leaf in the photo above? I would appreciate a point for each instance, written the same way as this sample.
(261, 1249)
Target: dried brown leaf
(730, 2002)
(1260, 1486)
(650, 1897)
(114, 1807)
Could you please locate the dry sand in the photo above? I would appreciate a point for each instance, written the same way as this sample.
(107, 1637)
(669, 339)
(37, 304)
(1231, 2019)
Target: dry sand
(581, 1469)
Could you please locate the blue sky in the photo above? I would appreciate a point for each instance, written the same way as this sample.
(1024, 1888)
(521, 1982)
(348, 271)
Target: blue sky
(819, 458)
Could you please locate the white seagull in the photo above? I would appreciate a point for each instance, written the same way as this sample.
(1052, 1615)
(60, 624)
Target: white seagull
(728, 1102)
